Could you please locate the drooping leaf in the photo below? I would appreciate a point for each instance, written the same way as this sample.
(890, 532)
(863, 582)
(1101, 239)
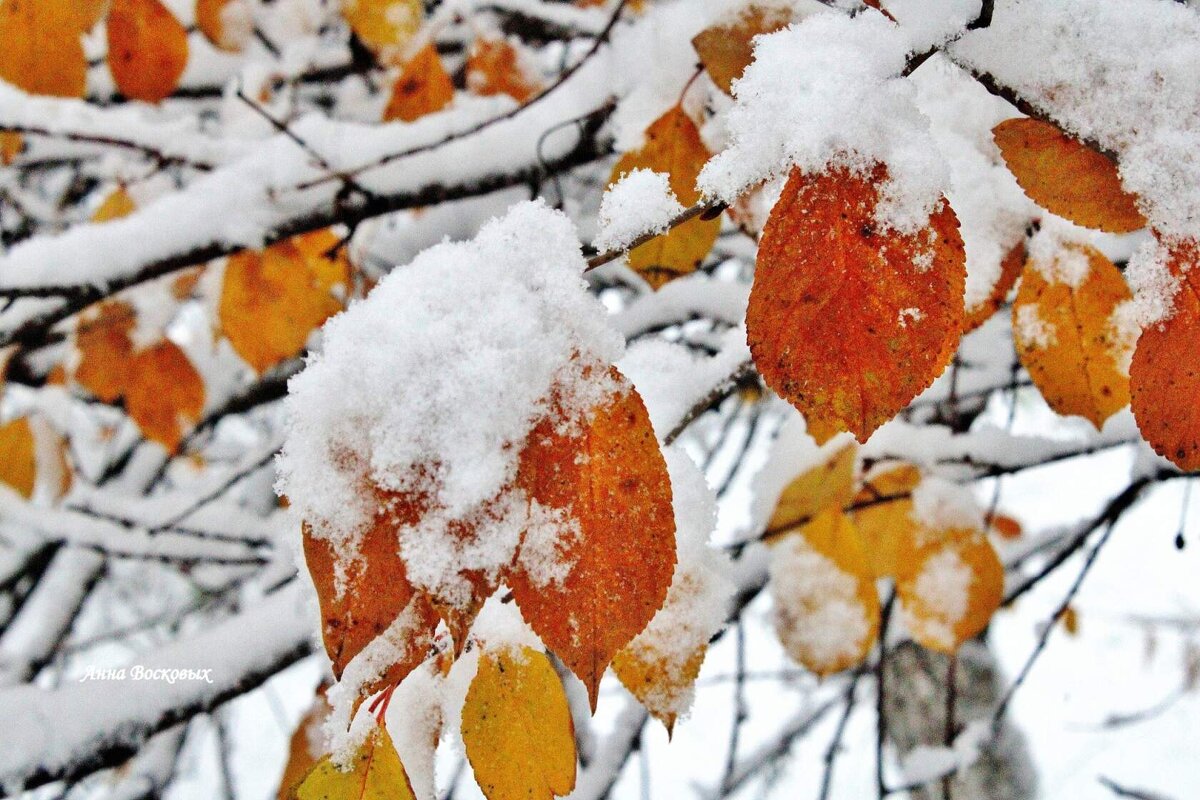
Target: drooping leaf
(726, 50)
(883, 518)
(164, 393)
(225, 23)
(1165, 373)
(829, 484)
(306, 746)
(1066, 177)
(494, 66)
(517, 727)
(42, 52)
(826, 605)
(147, 49)
(672, 146)
(422, 88)
(606, 474)
(385, 26)
(1010, 270)
(1065, 336)
(847, 320)
(953, 585)
(102, 336)
(375, 773)
(272, 300)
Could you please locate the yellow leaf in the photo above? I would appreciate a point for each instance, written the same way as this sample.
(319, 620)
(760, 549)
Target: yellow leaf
(828, 484)
(18, 460)
(660, 684)
(375, 773)
(384, 26)
(1064, 332)
(272, 300)
(1066, 177)
(672, 146)
(225, 23)
(33, 459)
(306, 746)
(164, 393)
(117, 204)
(495, 67)
(953, 586)
(826, 606)
(726, 50)
(42, 52)
(517, 727)
(422, 88)
(147, 49)
(887, 528)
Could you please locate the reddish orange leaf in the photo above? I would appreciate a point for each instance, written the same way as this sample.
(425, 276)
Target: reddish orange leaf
(147, 49)
(1165, 373)
(1065, 335)
(225, 23)
(672, 146)
(42, 52)
(1010, 270)
(422, 88)
(494, 67)
(102, 336)
(1066, 177)
(848, 321)
(164, 394)
(607, 474)
(1006, 527)
(726, 50)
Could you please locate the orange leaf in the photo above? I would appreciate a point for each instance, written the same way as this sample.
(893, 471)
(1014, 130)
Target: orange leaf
(18, 456)
(1165, 373)
(1006, 527)
(102, 336)
(147, 49)
(517, 729)
(826, 606)
(42, 52)
(11, 145)
(672, 146)
(494, 67)
(954, 585)
(1070, 620)
(607, 474)
(164, 393)
(828, 484)
(726, 50)
(273, 299)
(1066, 177)
(1065, 336)
(88, 12)
(116, 204)
(385, 26)
(846, 320)
(1010, 270)
(422, 88)
(33, 459)
(887, 528)
(375, 773)
(225, 23)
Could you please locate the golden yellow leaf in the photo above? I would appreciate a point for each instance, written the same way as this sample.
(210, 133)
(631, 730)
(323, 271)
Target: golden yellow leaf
(116, 204)
(164, 394)
(494, 66)
(306, 746)
(272, 300)
(42, 52)
(102, 336)
(384, 26)
(1066, 177)
(517, 727)
(147, 49)
(422, 88)
(1070, 621)
(18, 456)
(828, 484)
(847, 320)
(225, 23)
(826, 605)
(726, 50)
(374, 774)
(886, 527)
(954, 584)
(672, 146)
(33, 459)
(1063, 329)
(11, 145)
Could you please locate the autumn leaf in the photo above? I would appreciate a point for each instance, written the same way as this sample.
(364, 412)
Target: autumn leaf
(826, 605)
(33, 459)
(375, 773)
(422, 88)
(1063, 329)
(886, 526)
(952, 586)
(88, 12)
(1165, 373)
(304, 749)
(385, 26)
(828, 484)
(1006, 527)
(494, 66)
(11, 145)
(1066, 177)
(605, 472)
(272, 300)
(18, 458)
(1010, 270)
(847, 320)
(726, 50)
(116, 204)
(42, 51)
(147, 49)
(102, 337)
(517, 727)
(164, 393)
(225, 23)
(673, 147)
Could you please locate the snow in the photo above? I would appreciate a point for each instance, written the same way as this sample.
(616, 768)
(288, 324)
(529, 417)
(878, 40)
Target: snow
(1028, 326)
(824, 93)
(430, 385)
(942, 588)
(641, 202)
(926, 763)
(1127, 81)
(793, 453)
(1058, 252)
